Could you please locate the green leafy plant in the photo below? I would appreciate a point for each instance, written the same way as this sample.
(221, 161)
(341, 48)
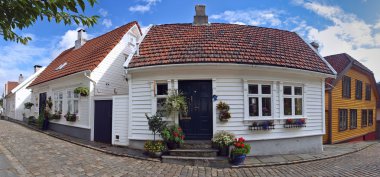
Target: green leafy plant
(56, 116)
(173, 133)
(31, 120)
(224, 113)
(223, 138)
(83, 91)
(28, 105)
(240, 147)
(154, 146)
(49, 103)
(70, 117)
(156, 124)
(21, 14)
(40, 121)
(175, 103)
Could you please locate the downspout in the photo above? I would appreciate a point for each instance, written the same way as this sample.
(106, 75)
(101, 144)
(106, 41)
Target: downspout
(330, 117)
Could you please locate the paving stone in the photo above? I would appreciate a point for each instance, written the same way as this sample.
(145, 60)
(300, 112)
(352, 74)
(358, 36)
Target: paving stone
(271, 159)
(291, 157)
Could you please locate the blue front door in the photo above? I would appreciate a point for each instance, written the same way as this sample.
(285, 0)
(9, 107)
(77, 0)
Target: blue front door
(197, 125)
(103, 121)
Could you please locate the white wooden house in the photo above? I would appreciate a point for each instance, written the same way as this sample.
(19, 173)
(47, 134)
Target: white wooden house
(23, 95)
(97, 65)
(263, 74)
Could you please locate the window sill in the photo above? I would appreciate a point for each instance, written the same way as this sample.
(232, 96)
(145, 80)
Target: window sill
(272, 118)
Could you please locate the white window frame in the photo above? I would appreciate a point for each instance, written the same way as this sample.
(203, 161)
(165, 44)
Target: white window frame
(247, 95)
(57, 99)
(293, 97)
(71, 101)
(155, 96)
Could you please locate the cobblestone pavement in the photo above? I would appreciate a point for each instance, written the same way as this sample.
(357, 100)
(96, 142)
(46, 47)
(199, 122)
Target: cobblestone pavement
(40, 155)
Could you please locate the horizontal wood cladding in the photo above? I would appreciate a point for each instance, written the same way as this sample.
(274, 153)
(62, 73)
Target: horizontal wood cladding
(338, 102)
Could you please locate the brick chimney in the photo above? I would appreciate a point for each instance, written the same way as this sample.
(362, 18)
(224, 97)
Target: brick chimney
(20, 79)
(36, 68)
(315, 45)
(80, 40)
(200, 17)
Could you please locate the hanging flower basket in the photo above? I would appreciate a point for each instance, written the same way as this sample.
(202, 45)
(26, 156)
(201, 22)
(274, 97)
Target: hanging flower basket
(224, 114)
(82, 91)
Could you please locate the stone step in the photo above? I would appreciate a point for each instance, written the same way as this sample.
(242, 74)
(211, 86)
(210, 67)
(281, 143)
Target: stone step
(196, 144)
(216, 162)
(194, 152)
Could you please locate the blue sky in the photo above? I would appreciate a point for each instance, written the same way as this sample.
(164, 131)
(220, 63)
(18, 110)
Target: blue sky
(339, 26)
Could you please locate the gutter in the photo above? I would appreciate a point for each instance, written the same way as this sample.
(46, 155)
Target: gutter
(330, 117)
(91, 80)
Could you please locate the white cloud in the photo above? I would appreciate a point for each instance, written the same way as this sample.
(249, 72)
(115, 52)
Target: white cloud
(250, 17)
(103, 12)
(347, 34)
(107, 22)
(142, 8)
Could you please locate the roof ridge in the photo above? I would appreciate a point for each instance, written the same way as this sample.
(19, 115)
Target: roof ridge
(135, 22)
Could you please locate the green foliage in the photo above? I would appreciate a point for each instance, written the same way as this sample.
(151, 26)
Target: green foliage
(70, 117)
(83, 91)
(28, 105)
(224, 113)
(31, 119)
(49, 103)
(240, 147)
(176, 103)
(223, 138)
(173, 133)
(1, 102)
(156, 124)
(154, 146)
(40, 120)
(20, 14)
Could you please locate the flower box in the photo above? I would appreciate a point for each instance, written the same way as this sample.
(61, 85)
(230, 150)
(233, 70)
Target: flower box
(295, 123)
(262, 125)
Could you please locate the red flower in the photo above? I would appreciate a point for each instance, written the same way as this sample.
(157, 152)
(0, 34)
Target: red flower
(183, 137)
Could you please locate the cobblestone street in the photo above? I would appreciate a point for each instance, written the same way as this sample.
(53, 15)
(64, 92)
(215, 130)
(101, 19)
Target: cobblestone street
(36, 154)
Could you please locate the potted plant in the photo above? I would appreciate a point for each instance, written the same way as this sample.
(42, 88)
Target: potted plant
(173, 136)
(56, 116)
(223, 140)
(224, 113)
(82, 91)
(155, 148)
(70, 117)
(240, 151)
(175, 103)
(28, 105)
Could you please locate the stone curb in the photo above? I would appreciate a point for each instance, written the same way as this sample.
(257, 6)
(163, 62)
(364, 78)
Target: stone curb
(303, 161)
(85, 145)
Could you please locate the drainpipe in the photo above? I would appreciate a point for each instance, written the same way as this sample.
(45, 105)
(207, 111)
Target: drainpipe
(330, 117)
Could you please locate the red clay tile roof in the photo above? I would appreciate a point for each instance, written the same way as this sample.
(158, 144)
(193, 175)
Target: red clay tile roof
(226, 43)
(87, 57)
(341, 61)
(10, 86)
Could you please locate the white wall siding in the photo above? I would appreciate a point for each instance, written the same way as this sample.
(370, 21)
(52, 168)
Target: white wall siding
(109, 75)
(22, 96)
(69, 82)
(120, 113)
(229, 87)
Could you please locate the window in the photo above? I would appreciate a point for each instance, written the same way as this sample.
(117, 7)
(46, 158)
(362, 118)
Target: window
(364, 118)
(343, 118)
(346, 87)
(368, 92)
(61, 66)
(58, 100)
(370, 117)
(293, 100)
(260, 100)
(72, 102)
(161, 95)
(353, 118)
(359, 90)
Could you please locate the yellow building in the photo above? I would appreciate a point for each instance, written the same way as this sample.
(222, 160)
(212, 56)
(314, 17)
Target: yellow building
(350, 101)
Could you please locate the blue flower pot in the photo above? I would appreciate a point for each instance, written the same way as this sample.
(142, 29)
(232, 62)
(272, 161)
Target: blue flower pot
(238, 159)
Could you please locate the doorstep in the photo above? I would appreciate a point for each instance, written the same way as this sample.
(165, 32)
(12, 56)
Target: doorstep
(330, 151)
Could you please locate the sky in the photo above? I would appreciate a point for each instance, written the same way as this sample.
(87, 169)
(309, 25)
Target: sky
(339, 26)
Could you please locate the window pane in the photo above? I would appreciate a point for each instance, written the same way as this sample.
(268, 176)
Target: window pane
(287, 106)
(60, 106)
(370, 117)
(68, 94)
(265, 89)
(60, 95)
(287, 90)
(160, 107)
(253, 89)
(342, 119)
(364, 118)
(253, 106)
(353, 118)
(298, 104)
(56, 105)
(55, 96)
(162, 89)
(69, 108)
(76, 95)
(76, 106)
(298, 90)
(266, 106)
